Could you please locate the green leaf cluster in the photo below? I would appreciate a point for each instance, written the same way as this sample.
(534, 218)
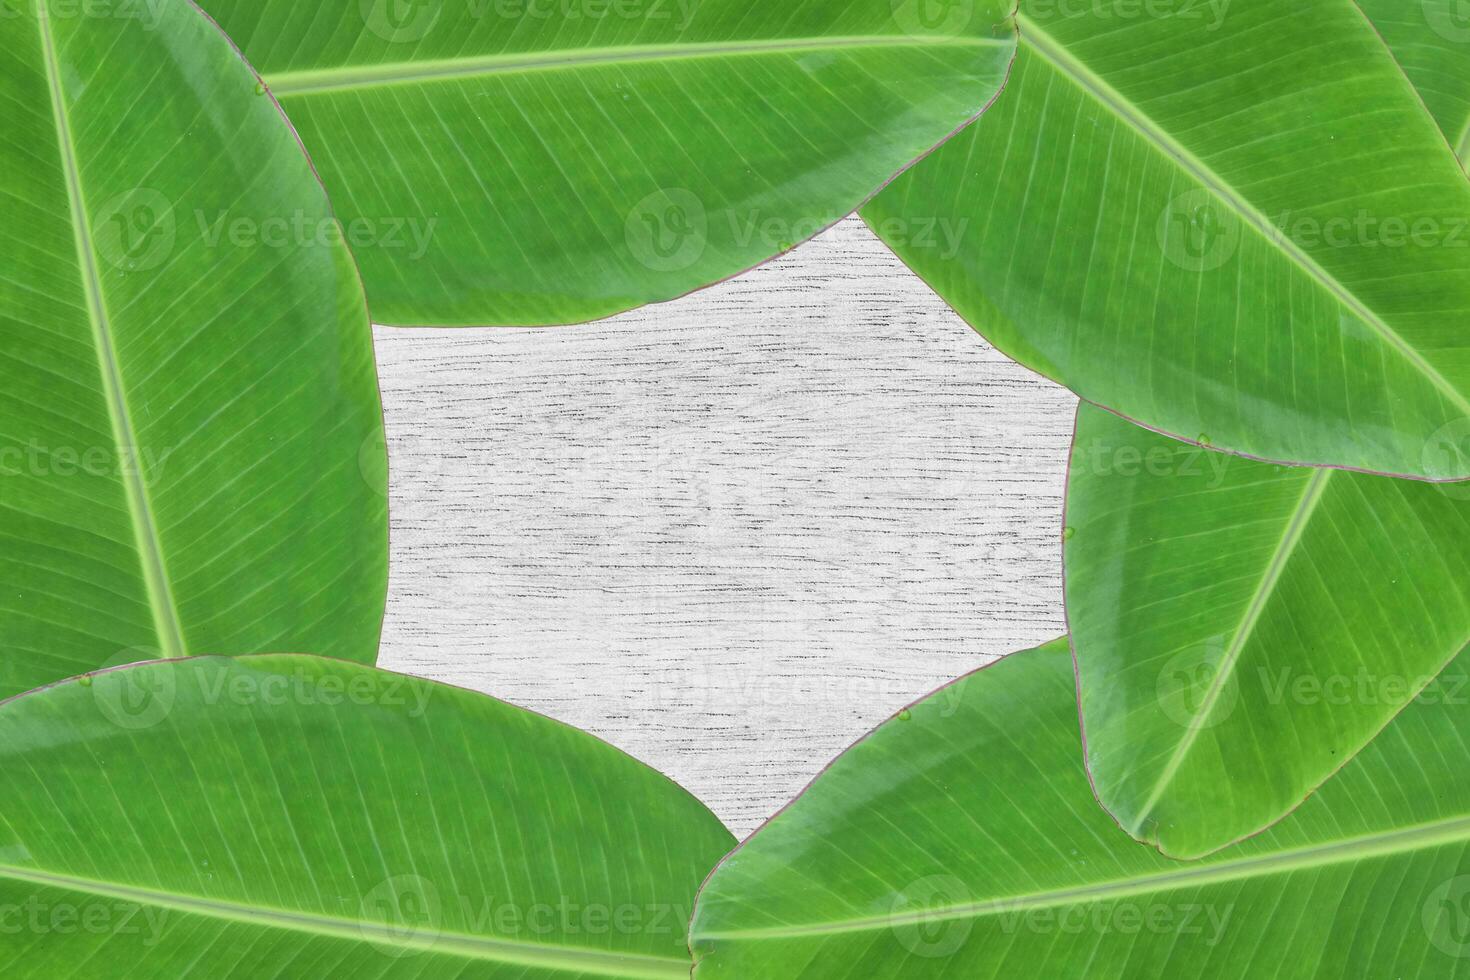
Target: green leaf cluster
(1239, 230)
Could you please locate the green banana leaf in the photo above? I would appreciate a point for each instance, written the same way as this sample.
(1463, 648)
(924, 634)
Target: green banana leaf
(191, 457)
(1233, 222)
(284, 816)
(962, 840)
(1243, 629)
(536, 162)
(1431, 39)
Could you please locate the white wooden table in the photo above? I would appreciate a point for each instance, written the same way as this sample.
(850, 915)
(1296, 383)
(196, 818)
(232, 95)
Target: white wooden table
(728, 534)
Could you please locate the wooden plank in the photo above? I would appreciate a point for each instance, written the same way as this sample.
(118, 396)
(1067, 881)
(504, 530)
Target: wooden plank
(732, 533)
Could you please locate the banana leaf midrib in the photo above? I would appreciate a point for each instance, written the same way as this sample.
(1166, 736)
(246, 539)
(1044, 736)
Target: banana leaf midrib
(1291, 536)
(1398, 841)
(350, 77)
(1034, 37)
(633, 966)
(167, 626)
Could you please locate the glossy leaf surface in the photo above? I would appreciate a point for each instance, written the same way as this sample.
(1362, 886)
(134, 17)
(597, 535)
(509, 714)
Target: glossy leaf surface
(191, 456)
(1431, 39)
(964, 842)
(534, 163)
(273, 817)
(1232, 222)
(1243, 629)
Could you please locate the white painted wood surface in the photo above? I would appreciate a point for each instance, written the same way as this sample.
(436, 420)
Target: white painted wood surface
(728, 534)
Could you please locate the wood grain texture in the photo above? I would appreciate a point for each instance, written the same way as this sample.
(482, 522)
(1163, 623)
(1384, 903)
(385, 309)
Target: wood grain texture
(732, 533)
